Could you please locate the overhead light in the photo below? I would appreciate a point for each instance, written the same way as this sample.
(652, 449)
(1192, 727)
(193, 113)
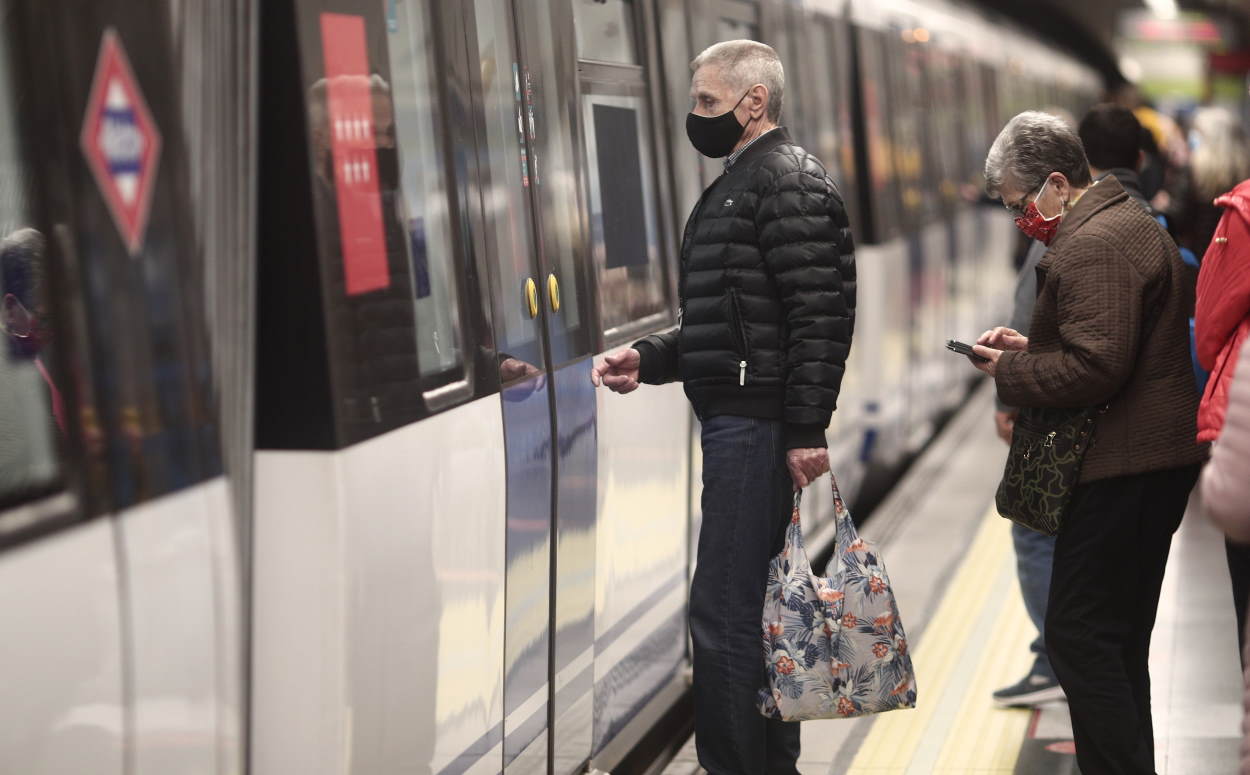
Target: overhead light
(922, 35)
(1163, 9)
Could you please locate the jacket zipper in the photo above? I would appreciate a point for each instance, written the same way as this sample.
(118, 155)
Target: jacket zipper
(742, 336)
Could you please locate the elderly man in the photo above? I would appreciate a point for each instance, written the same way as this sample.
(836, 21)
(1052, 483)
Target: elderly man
(767, 293)
(1109, 338)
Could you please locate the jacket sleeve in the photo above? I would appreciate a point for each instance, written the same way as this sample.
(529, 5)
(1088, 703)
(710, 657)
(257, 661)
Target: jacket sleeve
(1100, 302)
(1226, 480)
(658, 354)
(805, 238)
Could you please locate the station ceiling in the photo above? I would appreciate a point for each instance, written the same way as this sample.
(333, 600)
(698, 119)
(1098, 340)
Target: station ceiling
(1088, 27)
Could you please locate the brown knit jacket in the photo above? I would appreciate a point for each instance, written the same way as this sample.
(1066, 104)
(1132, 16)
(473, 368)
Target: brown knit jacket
(1111, 277)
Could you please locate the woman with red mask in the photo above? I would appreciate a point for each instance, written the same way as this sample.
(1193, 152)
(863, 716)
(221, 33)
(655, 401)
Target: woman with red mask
(1109, 337)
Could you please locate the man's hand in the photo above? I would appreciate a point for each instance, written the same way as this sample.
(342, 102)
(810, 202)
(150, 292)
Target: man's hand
(619, 373)
(1004, 338)
(1004, 423)
(806, 465)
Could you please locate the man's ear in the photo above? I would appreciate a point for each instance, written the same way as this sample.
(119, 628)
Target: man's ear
(759, 100)
(14, 317)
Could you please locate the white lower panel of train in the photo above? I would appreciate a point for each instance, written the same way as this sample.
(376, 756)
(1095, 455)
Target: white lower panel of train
(121, 647)
(380, 596)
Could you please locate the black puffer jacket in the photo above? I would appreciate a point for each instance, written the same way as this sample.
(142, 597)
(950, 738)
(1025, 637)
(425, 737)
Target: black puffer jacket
(767, 295)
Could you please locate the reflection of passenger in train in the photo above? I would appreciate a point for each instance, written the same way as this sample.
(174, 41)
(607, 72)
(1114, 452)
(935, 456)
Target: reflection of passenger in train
(768, 279)
(321, 130)
(1109, 332)
(25, 316)
(29, 399)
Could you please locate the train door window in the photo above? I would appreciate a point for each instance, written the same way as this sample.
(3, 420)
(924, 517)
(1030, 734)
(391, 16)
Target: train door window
(506, 179)
(605, 30)
(825, 140)
(882, 156)
(620, 179)
(31, 404)
(549, 83)
(676, 53)
(407, 132)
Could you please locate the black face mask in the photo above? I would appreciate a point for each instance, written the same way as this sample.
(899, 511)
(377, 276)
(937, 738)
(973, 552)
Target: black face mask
(715, 136)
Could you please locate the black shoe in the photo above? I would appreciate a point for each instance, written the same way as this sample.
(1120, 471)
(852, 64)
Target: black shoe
(1029, 691)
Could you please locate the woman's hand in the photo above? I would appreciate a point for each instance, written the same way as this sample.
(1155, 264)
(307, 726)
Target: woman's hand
(991, 366)
(1003, 338)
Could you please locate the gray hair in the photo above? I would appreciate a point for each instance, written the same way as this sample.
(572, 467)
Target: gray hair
(1030, 147)
(744, 63)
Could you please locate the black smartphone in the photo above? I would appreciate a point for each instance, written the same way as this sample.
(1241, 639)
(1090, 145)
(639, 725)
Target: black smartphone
(964, 349)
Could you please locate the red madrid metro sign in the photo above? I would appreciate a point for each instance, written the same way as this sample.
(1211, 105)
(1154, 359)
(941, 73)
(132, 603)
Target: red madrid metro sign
(121, 142)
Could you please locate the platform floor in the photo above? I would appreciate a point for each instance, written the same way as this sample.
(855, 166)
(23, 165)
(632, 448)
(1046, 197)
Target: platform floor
(950, 558)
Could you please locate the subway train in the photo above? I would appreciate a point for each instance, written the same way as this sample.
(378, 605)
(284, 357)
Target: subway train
(301, 468)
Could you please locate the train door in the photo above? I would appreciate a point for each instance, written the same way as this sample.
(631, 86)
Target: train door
(532, 240)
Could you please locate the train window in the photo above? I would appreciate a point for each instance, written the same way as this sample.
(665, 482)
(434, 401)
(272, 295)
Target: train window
(31, 408)
(624, 232)
(422, 205)
(506, 178)
(605, 30)
(882, 157)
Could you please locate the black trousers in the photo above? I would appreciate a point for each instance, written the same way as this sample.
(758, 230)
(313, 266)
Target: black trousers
(747, 500)
(1104, 593)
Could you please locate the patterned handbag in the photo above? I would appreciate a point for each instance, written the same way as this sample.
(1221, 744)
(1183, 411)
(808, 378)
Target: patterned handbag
(833, 647)
(1047, 449)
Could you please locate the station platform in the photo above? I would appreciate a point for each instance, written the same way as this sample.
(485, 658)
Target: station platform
(951, 561)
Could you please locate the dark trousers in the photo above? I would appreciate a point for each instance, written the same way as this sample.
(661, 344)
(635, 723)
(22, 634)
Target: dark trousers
(747, 500)
(1104, 592)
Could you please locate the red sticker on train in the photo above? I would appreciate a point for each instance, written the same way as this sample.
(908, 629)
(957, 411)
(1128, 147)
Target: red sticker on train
(349, 110)
(121, 142)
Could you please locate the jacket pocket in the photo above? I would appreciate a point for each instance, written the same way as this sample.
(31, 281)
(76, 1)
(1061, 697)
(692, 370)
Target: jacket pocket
(738, 330)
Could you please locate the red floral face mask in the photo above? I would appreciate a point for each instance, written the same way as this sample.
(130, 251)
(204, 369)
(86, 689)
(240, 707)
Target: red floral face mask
(1037, 226)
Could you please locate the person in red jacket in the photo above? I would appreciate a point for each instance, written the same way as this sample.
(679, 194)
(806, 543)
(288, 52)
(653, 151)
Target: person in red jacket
(1221, 326)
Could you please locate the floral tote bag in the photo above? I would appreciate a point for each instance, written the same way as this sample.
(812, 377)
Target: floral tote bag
(834, 647)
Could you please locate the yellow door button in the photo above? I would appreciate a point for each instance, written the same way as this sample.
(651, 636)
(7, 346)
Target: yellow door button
(531, 296)
(553, 292)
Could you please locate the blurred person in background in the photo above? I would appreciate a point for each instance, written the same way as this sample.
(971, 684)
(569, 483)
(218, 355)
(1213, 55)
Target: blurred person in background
(1221, 327)
(1111, 135)
(1219, 158)
(1226, 492)
(1109, 330)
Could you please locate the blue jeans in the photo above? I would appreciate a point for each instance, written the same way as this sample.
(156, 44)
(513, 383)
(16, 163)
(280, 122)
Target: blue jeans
(747, 500)
(1035, 556)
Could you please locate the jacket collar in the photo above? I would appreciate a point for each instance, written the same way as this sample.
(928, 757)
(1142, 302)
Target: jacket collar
(762, 145)
(1131, 183)
(1238, 199)
(1103, 194)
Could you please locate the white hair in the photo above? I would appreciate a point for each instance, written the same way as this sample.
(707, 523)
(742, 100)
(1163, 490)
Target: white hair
(744, 63)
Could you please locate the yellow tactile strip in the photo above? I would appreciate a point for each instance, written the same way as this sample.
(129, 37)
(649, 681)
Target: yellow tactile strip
(976, 642)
